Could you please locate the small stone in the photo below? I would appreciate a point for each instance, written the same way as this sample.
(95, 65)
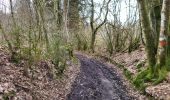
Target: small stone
(81, 84)
(7, 64)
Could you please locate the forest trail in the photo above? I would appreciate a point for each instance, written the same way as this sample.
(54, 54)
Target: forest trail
(96, 81)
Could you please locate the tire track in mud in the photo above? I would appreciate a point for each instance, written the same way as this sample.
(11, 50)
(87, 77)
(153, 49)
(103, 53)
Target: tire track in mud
(96, 81)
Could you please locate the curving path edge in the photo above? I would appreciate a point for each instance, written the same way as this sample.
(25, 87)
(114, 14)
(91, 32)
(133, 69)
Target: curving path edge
(96, 81)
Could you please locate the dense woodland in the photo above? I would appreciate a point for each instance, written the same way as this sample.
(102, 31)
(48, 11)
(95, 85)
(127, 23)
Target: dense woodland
(54, 30)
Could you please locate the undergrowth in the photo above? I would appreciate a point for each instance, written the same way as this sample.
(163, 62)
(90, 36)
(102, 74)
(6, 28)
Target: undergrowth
(145, 77)
(128, 74)
(151, 76)
(59, 53)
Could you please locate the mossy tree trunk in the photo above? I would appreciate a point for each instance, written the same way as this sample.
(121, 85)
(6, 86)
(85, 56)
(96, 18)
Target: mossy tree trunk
(155, 17)
(147, 30)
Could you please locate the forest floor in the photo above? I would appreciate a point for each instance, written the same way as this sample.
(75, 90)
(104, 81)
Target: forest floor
(135, 62)
(100, 81)
(92, 80)
(14, 85)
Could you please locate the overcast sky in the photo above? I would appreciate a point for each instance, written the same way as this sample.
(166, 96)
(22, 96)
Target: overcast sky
(124, 10)
(4, 5)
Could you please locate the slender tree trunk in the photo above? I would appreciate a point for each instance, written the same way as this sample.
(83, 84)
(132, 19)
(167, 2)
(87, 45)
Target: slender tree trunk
(163, 32)
(57, 13)
(168, 49)
(73, 22)
(73, 16)
(11, 8)
(147, 30)
(65, 11)
(155, 17)
(92, 27)
(94, 30)
(16, 46)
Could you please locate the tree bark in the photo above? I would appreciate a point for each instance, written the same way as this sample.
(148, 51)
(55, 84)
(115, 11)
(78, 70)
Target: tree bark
(155, 17)
(163, 33)
(73, 16)
(147, 30)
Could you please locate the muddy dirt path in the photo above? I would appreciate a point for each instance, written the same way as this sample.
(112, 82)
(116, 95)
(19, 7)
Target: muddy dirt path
(96, 81)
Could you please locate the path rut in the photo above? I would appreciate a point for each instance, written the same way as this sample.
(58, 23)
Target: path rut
(97, 81)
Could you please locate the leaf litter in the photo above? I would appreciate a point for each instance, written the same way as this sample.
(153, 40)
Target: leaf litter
(41, 86)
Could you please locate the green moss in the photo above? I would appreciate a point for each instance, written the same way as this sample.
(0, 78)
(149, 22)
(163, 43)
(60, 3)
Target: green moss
(140, 79)
(128, 74)
(139, 65)
(168, 63)
(148, 76)
(162, 73)
(152, 75)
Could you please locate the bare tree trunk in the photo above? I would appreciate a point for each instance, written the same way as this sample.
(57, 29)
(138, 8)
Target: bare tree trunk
(56, 11)
(163, 32)
(16, 46)
(155, 17)
(73, 22)
(40, 6)
(94, 30)
(147, 30)
(73, 16)
(65, 19)
(92, 26)
(65, 9)
(168, 49)
(11, 8)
